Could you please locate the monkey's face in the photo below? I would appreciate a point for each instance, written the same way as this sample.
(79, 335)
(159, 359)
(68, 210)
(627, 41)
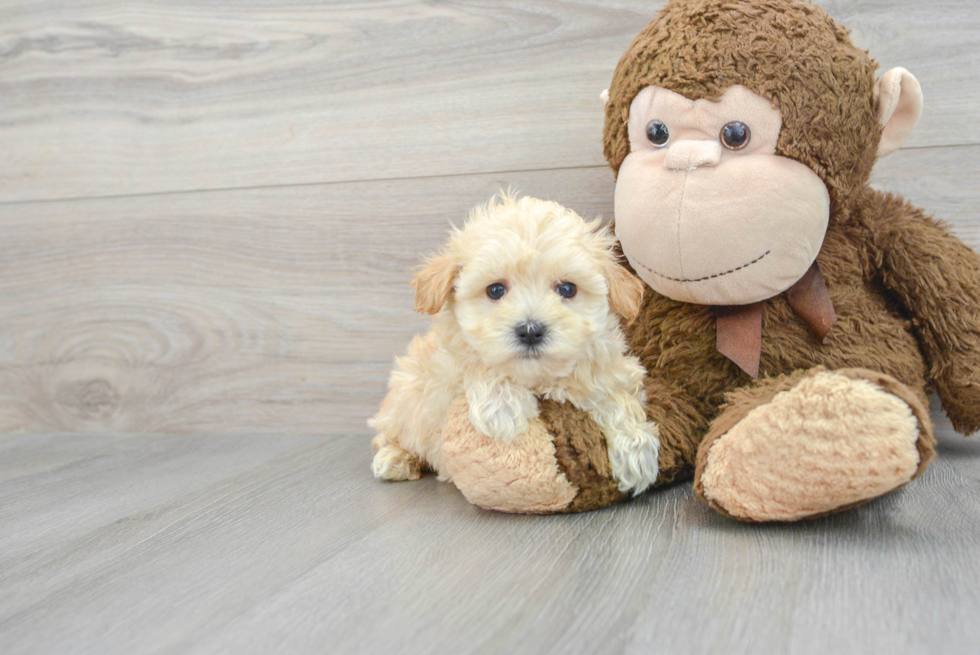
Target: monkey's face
(706, 211)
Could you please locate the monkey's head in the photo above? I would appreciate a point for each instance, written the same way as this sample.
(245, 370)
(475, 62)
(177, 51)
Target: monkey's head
(739, 130)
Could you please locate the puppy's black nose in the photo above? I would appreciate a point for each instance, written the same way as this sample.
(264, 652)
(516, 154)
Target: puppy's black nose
(530, 333)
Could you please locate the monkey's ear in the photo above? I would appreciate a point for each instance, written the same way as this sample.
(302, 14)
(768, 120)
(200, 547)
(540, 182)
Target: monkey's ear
(433, 283)
(604, 96)
(899, 108)
(625, 292)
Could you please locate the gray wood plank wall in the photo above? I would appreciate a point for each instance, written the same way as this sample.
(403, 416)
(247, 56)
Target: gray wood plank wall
(210, 208)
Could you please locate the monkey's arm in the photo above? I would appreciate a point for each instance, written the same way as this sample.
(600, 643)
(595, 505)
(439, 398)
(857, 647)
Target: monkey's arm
(937, 278)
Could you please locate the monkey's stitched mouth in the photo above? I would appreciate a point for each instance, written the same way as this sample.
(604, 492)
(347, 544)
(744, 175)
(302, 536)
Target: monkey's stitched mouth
(707, 277)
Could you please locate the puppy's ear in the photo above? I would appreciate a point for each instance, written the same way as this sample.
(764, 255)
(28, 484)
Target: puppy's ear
(625, 292)
(433, 283)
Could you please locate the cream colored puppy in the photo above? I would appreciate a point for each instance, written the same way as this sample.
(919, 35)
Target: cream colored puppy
(525, 298)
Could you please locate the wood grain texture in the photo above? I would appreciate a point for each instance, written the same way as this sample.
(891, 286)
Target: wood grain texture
(274, 310)
(249, 544)
(185, 371)
(100, 98)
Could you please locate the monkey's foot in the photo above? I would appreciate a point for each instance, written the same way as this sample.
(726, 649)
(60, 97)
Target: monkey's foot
(812, 444)
(559, 464)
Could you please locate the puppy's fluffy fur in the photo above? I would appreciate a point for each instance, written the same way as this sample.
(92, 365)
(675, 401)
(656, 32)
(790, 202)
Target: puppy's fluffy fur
(530, 246)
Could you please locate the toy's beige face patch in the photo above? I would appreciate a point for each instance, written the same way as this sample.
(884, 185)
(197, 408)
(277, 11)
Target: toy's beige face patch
(706, 211)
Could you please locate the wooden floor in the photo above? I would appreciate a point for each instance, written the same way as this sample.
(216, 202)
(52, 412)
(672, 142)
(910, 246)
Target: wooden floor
(251, 544)
(207, 214)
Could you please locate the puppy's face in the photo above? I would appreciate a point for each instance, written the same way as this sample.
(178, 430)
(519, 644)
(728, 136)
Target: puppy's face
(531, 312)
(533, 285)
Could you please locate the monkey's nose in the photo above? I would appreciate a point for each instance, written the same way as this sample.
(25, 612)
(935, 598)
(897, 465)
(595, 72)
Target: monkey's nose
(530, 333)
(689, 155)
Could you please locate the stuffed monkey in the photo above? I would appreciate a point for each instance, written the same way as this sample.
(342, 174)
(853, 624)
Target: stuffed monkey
(794, 317)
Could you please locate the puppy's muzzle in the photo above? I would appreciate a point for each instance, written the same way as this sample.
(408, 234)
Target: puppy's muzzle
(530, 334)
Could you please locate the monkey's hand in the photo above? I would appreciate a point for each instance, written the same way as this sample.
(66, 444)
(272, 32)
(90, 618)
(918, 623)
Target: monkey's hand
(499, 409)
(937, 278)
(957, 380)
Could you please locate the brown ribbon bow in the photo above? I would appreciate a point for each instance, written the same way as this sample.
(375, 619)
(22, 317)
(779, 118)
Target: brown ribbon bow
(739, 327)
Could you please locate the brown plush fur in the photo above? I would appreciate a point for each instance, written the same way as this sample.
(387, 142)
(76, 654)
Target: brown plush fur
(580, 450)
(906, 292)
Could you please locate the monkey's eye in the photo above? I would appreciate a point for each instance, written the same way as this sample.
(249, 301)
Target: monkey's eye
(566, 289)
(657, 133)
(735, 135)
(496, 291)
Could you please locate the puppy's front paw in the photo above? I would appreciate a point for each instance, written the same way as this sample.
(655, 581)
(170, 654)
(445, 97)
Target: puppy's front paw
(633, 457)
(502, 410)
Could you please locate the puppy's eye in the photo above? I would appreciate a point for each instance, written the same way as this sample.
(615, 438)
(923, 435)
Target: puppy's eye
(735, 135)
(566, 289)
(657, 133)
(496, 291)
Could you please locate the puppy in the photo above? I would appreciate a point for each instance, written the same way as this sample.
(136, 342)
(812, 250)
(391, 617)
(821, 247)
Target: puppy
(525, 299)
